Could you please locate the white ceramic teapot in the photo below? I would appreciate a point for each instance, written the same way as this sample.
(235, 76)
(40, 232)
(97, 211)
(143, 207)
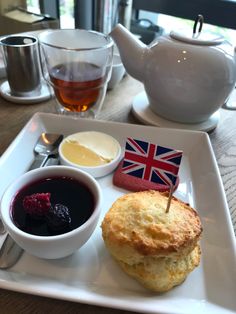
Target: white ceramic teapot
(187, 77)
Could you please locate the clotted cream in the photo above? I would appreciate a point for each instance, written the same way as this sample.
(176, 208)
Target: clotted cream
(90, 148)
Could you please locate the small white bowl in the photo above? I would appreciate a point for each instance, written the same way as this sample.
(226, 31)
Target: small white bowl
(117, 73)
(102, 139)
(56, 246)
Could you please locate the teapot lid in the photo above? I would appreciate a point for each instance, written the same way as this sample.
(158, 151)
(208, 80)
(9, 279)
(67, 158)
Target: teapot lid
(197, 37)
(207, 39)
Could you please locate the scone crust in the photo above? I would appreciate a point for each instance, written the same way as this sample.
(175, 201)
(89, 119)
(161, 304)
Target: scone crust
(163, 273)
(137, 226)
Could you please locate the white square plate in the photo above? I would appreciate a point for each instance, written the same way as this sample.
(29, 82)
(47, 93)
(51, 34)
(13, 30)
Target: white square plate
(90, 275)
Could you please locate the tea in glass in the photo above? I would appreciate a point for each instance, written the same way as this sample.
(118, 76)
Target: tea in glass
(74, 92)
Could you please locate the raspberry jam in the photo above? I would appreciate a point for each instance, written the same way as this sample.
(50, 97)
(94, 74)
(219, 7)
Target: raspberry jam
(67, 191)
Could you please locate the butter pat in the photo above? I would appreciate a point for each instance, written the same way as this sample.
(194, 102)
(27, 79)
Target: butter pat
(90, 148)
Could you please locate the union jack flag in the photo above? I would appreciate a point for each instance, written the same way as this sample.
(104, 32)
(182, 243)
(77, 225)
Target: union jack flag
(151, 162)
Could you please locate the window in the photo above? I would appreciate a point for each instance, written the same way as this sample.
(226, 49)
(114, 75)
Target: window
(33, 6)
(216, 12)
(219, 15)
(62, 9)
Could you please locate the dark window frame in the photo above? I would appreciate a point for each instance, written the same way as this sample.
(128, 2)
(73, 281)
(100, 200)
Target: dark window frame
(217, 12)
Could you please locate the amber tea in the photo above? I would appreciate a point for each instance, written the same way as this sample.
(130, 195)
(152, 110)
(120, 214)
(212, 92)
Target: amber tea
(77, 85)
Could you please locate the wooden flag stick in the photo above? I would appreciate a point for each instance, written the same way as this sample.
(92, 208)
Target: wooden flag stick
(170, 197)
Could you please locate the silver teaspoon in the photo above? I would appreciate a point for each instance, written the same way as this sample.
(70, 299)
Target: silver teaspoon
(10, 253)
(2, 228)
(46, 150)
(46, 146)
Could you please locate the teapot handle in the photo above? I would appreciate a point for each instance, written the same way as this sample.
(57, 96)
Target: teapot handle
(198, 21)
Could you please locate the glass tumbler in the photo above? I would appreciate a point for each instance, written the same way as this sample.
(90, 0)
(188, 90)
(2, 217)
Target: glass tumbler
(77, 64)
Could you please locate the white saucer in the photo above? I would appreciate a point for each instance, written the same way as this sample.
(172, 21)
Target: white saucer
(144, 114)
(44, 94)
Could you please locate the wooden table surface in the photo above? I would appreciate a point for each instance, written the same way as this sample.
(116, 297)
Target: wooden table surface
(117, 107)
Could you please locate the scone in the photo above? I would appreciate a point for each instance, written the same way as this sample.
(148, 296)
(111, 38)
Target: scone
(158, 249)
(137, 226)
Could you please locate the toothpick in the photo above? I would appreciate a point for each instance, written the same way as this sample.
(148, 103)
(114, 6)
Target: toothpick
(169, 198)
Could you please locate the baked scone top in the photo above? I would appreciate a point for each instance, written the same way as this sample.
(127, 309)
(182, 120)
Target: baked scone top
(137, 225)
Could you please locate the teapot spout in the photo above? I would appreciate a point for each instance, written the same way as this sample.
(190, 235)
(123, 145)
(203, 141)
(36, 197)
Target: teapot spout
(132, 51)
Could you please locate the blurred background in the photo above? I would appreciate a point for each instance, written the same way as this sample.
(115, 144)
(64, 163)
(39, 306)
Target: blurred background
(147, 19)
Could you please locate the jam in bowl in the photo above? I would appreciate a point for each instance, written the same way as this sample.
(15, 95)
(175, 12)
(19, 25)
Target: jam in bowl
(51, 212)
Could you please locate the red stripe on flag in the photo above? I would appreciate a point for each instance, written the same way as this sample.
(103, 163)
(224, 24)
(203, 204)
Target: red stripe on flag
(163, 178)
(136, 145)
(174, 155)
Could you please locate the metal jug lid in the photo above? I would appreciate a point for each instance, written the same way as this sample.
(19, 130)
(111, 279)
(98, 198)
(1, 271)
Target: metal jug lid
(197, 37)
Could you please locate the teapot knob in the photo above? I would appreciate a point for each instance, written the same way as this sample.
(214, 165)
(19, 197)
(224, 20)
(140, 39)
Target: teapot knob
(198, 22)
